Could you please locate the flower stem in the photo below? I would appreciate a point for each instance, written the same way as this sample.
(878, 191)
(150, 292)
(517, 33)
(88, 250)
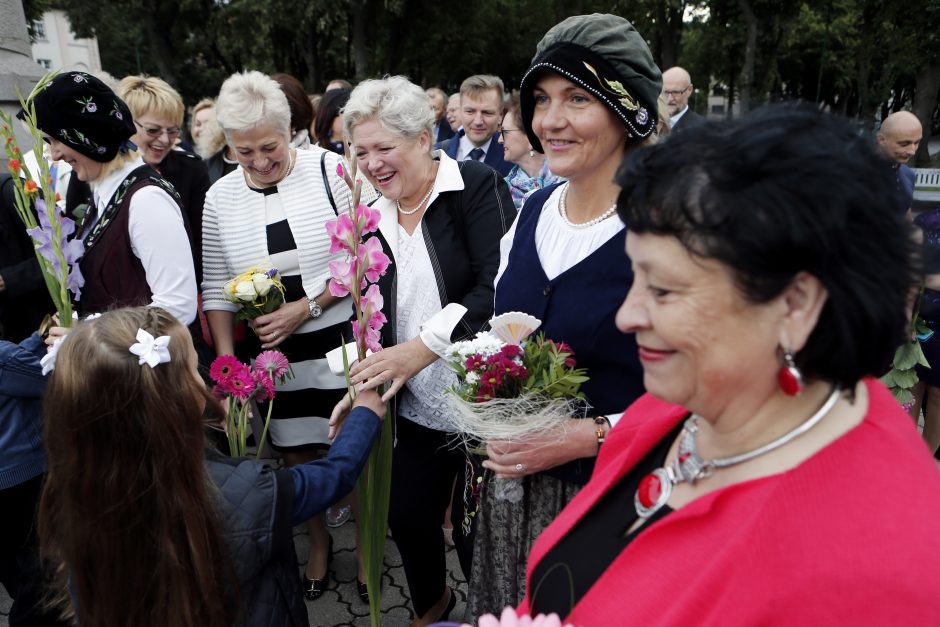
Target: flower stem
(264, 432)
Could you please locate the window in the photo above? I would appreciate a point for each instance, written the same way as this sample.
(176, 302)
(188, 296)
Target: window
(39, 29)
(45, 63)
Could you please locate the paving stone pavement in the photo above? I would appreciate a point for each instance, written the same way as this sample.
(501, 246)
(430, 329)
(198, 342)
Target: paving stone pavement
(340, 605)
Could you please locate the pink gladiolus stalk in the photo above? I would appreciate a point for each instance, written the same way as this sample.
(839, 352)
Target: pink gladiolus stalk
(356, 275)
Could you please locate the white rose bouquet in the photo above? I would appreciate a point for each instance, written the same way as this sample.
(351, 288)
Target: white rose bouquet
(257, 291)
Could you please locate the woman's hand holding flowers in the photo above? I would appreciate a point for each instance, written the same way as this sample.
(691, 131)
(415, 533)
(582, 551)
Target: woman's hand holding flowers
(570, 441)
(394, 365)
(277, 326)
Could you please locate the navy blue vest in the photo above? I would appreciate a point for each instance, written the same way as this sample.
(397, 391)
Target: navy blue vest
(577, 307)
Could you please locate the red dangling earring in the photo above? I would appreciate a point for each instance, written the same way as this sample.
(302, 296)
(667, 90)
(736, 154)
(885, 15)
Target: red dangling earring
(789, 377)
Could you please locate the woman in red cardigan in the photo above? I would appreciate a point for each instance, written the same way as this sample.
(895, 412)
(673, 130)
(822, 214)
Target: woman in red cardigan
(766, 478)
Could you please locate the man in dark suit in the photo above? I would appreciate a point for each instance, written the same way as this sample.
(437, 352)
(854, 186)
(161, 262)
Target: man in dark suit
(438, 100)
(481, 111)
(677, 87)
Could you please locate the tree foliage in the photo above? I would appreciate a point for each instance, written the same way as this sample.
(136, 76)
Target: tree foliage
(858, 57)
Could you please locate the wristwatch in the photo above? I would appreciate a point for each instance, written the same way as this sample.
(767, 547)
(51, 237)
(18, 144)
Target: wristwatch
(315, 309)
(600, 432)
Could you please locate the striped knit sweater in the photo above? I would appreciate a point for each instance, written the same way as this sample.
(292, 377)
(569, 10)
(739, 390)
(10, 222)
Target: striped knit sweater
(233, 227)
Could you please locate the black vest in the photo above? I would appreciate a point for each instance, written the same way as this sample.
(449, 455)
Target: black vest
(255, 504)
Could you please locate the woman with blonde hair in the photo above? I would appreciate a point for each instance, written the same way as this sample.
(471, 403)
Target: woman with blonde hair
(146, 526)
(201, 112)
(136, 248)
(158, 115)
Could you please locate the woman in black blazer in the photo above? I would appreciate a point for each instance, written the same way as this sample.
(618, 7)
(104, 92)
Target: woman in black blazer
(441, 226)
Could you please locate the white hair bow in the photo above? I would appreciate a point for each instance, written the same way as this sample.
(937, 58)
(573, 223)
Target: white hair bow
(152, 351)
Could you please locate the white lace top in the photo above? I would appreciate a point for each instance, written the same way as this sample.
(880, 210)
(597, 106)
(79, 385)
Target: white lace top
(423, 400)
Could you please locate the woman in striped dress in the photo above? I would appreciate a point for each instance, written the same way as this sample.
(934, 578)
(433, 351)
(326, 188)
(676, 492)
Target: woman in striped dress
(273, 209)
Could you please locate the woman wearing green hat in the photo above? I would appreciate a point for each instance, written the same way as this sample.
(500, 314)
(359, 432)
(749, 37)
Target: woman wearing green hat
(589, 97)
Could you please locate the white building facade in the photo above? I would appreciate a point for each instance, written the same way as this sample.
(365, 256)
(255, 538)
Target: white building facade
(57, 48)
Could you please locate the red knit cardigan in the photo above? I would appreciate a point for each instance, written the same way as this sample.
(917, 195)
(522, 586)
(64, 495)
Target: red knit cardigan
(849, 537)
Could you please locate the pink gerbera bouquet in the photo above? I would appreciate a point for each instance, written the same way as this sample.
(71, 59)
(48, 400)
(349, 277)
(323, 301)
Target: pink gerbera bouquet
(242, 384)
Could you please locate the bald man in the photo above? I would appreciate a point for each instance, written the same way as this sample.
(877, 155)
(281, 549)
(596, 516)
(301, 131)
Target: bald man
(900, 135)
(677, 87)
(898, 138)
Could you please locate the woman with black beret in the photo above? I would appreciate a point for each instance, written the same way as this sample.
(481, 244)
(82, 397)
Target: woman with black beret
(136, 248)
(589, 98)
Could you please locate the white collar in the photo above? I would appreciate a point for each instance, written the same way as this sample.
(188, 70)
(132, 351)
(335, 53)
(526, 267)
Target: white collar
(674, 119)
(104, 188)
(466, 146)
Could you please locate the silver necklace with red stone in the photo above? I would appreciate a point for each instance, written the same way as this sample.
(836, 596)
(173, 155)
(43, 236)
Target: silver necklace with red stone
(655, 488)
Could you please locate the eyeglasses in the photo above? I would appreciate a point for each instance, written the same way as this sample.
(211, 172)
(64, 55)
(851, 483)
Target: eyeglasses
(503, 131)
(676, 92)
(156, 131)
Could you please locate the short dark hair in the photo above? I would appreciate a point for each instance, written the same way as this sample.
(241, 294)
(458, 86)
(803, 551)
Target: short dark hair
(301, 111)
(331, 106)
(785, 190)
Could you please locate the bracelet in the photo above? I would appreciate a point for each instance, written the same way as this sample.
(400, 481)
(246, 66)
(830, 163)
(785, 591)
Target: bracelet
(601, 432)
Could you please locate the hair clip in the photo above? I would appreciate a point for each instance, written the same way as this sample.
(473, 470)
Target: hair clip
(152, 351)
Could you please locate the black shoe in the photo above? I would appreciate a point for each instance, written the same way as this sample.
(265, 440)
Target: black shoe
(314, 588)
(450, 606)
(363, 591)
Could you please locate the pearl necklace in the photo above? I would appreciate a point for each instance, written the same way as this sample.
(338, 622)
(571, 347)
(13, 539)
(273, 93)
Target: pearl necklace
(563, 210)
(655, 488)
(290, 168)
(410, 212)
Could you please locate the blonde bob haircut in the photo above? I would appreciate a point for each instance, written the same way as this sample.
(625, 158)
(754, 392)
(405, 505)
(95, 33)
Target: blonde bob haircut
(249, 99)
(146, 95)
(398, 105)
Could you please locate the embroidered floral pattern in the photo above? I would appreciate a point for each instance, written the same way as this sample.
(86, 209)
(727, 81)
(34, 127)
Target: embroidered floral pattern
(88, 104)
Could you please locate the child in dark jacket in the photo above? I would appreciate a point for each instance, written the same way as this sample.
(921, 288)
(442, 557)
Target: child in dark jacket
(22, 463)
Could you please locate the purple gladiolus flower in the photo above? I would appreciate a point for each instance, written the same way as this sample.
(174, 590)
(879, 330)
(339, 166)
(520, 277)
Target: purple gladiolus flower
(45, 240)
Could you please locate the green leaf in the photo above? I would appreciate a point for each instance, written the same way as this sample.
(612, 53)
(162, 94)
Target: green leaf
(902, 396)
(906, 356)
(905, 379)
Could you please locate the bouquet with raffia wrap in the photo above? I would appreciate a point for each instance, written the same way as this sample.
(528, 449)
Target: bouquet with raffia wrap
(256, 291)
(52, 234)
(512, 387)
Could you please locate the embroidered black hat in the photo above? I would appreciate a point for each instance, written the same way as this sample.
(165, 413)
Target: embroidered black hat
(605, 55)
(83, 113)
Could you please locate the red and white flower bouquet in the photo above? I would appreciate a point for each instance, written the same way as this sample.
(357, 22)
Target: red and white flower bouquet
(512, 386)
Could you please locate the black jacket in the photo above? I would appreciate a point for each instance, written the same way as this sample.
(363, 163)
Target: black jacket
(24, 300)
(255, 504)
(189, 176)
(462, 230)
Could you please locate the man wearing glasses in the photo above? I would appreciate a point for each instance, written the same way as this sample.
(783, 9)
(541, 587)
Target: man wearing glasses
(677, 87)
